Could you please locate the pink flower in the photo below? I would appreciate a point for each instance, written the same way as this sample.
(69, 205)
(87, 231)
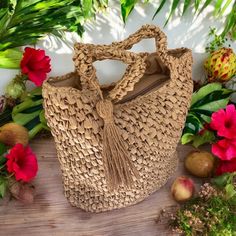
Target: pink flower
(224, 122)
(225, 149)
(22, 162)
(36, 65)
(226, 167)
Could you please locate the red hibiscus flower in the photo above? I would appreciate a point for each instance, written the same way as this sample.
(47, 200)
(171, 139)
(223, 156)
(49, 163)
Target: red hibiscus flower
(224, 122)
(225, 149)
(22, 162)
(36, 65)
(226, 167)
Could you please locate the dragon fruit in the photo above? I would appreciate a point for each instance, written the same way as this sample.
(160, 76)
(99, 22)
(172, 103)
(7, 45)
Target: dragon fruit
(221, 65)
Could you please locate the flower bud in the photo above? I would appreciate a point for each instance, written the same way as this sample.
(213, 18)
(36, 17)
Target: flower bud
(15, 89)
(182, 189)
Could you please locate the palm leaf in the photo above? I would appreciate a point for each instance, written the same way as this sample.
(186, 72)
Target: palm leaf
(218, 6)
(159, 8)
(25, 21)
(127, 7)
(207, 2)
(197, 4)
(230, 25)
(186, 6)
(10, 58)
(225, 6)
(175, 3)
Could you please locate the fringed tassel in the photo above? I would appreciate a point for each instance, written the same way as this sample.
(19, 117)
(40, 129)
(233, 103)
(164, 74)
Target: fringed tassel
(118, 167)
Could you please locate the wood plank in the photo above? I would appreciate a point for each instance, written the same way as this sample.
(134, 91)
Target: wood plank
(51, 214)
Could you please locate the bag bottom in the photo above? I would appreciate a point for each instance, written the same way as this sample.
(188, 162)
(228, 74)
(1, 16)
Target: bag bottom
(94, 203)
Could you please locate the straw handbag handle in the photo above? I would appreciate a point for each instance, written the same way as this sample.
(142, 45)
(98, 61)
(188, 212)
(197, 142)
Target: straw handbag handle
(145, 32)
(86, 54)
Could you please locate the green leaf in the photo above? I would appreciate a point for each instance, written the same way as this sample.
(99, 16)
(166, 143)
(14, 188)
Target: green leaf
(23, 119)
(206, 137)
(10, 59)
(3, 148)
(3, 161)
(222, 180)
(30, 20)
(230, 191)
(3, 186)
(213, 101)
(87, 6)
(205, 90)
(218, 7)
(127, 7)
(175, 3)
(186, 6)
(230, 25)
(207, 2)
(226, 5)
(215, 105)
(28, 103)
(187, 138)
(192, 125)
(196, 4)
(35, 130)
(159, 8)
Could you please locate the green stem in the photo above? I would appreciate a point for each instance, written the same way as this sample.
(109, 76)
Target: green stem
(3, 166)
(9, 176)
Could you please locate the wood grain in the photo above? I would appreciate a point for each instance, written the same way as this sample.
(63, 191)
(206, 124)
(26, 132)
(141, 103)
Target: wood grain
(50, 214)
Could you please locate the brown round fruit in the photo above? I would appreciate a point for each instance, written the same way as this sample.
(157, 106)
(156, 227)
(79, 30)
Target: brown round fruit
(12, 133)
(200, 163)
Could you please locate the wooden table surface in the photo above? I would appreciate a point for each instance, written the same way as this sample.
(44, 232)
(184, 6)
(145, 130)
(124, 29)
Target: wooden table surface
(51, 214)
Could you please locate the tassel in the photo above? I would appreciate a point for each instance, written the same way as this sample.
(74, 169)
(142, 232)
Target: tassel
(117, 164)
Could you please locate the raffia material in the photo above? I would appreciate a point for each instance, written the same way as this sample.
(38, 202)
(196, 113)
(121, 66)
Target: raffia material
(98, 148)
(117, 165)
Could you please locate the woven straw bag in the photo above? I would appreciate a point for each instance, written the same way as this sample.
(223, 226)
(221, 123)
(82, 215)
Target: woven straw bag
(117, 143)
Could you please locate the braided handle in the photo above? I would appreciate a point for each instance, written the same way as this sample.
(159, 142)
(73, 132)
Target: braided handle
(86, 54)
(145, 32)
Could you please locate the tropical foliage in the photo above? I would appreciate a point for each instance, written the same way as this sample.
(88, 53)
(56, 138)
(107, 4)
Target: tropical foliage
(220, 7)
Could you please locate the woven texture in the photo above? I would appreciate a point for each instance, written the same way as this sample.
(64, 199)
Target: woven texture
(149, 125)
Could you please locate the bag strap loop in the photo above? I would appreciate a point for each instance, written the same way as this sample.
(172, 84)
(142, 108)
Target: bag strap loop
(86, 54)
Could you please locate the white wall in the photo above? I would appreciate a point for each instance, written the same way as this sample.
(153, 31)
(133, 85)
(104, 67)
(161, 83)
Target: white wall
(181, 32)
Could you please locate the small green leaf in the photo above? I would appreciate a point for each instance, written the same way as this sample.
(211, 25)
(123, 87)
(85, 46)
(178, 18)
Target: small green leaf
(187, 138)
(192, 125)
(205, 90)
(207, 2)
(127, 7)
(2, 161)
(186, 6)
(196, 4)
(175, 3)
(222, 180)
(218, 7)
(3, 186)
(230, 191)
(228, 2)
(3, 148)
(159, 8)
(87, 6)
(206, 137)
(10, 59)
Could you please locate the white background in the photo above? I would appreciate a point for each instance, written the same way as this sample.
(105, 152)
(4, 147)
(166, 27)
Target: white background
(182, 32)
